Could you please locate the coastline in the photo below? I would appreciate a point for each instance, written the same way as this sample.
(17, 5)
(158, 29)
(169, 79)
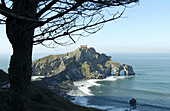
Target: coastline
(81, 87)
(80, 93)
(72, 89)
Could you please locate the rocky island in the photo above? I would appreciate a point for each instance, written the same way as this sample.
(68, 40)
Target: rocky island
(83, 63)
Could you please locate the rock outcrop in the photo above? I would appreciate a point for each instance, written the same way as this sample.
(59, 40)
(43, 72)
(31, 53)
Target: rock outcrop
(82, 63)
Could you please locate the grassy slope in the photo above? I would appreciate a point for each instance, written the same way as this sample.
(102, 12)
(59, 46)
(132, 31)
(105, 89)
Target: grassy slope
(42, 99)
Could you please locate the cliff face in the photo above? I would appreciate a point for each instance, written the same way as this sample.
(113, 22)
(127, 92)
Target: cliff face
(79, 64)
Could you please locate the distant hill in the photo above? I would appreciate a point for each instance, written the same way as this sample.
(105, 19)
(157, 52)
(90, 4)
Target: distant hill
(41, 99)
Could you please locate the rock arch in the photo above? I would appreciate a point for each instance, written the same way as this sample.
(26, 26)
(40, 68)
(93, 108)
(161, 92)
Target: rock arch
(122, 73)
(117, 68)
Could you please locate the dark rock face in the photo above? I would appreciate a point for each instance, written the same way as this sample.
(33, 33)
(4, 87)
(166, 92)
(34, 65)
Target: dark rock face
(79, 64)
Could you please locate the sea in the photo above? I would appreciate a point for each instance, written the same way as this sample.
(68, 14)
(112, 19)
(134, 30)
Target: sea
(150, 86)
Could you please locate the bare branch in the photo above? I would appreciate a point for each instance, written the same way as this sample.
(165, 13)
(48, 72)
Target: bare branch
(8, 12)
(67, 19)
(82, 28)
(113, 2)
(56, 16)
(47, 7)
(71, 38)
(4, 10)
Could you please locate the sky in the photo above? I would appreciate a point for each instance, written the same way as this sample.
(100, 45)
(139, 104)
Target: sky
(144, 28)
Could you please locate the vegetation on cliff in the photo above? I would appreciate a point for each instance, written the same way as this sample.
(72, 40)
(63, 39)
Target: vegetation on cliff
(78, 64)
(85, 69)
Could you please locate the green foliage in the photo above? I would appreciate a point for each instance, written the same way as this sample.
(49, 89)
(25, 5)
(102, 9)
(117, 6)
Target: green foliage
(48, 58)
(85, 69)
(100, 66)
(108, 63)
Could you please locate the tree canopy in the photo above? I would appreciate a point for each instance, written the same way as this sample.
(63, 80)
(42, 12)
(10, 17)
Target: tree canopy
(60, 21)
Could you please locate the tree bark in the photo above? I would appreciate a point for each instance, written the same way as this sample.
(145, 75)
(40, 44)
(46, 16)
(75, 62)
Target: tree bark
(20, 69)
(20, 75)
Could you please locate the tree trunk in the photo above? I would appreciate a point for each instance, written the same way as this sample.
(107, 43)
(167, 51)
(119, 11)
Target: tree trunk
(20, 69)
(20, 75)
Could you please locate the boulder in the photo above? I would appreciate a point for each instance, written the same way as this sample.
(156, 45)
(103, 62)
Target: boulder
(132, 102)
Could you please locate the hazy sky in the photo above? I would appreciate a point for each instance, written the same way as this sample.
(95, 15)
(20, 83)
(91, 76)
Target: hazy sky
(146, 29)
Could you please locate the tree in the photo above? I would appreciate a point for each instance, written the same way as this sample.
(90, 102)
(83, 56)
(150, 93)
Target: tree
(32, 22)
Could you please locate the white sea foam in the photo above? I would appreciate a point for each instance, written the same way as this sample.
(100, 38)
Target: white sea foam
(83, 86)
(86, 90)
(83, 101)
(36, 78)
(83, 91)
(80, 100)
(102, 107)
(112, 108)
(93, 82)
(121, 77)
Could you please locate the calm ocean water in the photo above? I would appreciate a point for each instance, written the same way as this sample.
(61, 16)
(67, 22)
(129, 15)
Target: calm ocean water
(150, 86)
(5, 59)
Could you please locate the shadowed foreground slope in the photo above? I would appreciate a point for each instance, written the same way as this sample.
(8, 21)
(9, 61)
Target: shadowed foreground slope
(42, 99)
